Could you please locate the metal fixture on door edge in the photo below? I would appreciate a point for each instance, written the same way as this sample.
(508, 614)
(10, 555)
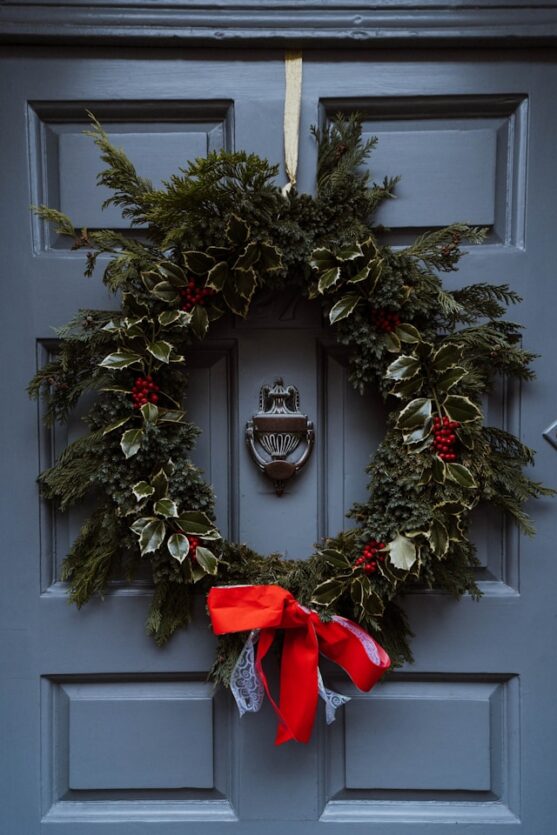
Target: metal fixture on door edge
(279, 428)
(550, 434)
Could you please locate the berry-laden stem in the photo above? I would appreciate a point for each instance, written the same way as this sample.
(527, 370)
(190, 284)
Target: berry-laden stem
(370, 556)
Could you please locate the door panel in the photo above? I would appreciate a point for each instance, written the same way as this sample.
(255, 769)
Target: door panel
(100, 726)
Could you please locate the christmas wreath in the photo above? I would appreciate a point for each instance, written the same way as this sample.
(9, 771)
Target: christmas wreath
(212, 237)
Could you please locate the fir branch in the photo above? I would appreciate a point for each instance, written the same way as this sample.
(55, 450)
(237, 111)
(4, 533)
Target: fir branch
(130, 190)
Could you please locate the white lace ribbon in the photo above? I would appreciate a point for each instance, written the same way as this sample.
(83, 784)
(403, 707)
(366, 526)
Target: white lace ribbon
(248, 691)
(245, 684)
(366, 640)
(332, 699)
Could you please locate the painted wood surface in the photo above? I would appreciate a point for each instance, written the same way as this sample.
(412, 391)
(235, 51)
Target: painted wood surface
(354, 23)
(99, 727)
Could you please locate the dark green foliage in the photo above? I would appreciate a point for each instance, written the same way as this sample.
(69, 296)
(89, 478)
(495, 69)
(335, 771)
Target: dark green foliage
(224, 221)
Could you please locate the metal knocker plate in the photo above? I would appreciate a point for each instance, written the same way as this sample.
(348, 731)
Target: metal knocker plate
(277, 432)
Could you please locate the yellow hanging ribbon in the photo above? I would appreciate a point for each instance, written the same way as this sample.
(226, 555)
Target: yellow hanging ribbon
(292, 107)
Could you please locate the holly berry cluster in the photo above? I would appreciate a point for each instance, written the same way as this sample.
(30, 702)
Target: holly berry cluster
(144, 391)
(192, 295)
(370, 556)
(384, 320)
(444, 438)
(194, 542)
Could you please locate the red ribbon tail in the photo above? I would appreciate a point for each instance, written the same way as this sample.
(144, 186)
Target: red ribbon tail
(298, 684)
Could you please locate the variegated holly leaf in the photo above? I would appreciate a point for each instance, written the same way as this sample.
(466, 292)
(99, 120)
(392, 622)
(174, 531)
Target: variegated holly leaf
(166, 507)
(461, 475)
(415, 414)
(461, 408)
(150, 412)
(160, 350)
(152, 537)
(142, 490)
(179, 546)
(206, 559)
(327, 592)
(404, 367)
(131, 442)
(343, 308)
(121, 358)
(402, 552)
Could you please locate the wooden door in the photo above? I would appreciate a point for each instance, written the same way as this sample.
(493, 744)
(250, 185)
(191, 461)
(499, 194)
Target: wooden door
(102, 731)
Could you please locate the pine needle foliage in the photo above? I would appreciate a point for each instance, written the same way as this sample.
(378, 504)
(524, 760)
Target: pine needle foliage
(223, 225)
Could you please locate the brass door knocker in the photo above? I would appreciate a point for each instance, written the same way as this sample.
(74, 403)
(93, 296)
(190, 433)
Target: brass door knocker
(279, 428)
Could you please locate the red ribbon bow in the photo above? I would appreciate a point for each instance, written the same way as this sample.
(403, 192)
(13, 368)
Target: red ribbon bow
(268, 608)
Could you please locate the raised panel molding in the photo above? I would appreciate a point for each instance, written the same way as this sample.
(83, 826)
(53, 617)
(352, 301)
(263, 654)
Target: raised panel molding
(353, 23)
(473, 146)
(452, 755)
(135, 748)
(158, 136)
(351, 424)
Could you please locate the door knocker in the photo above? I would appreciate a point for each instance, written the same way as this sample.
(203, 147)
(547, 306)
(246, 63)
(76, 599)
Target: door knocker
(279, 428)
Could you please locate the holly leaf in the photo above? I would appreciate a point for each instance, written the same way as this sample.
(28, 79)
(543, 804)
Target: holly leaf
(160, 350)
(199, 321)
(206, 559)
(165, 292)
(171, 317)
(408, 333)
(142, 490)
(116, 425)
(461, 475)
(197, 262)
(343, 308)
(121, 359)
(172, 415)
(166, 507)
(160, 483)
(392, 342)
(247, 258)
(111, 327)
(237, 230)
(246, 282)
(151, 537)
(150, 412)
(438, 538)
(218, 276)
(195, 522)
(375, 271)
(140, 523)
(270, 258)
(403, 368)
(179, 546)
(322, 259)
(335, 558)
(402, 552)
(449, 378)
(407, 388)
(438, 469)
(328, 279)
(349, 252)
(361, 275)
(327, 592)
(445, 357)
(131, 442)
(417, 436)
(415, 414)
(173, 273)
(461, 408)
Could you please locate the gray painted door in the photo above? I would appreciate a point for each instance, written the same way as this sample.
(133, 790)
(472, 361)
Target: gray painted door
(101, 731)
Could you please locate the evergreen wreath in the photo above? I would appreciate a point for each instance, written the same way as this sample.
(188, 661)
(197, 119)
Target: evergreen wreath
(213, 236)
